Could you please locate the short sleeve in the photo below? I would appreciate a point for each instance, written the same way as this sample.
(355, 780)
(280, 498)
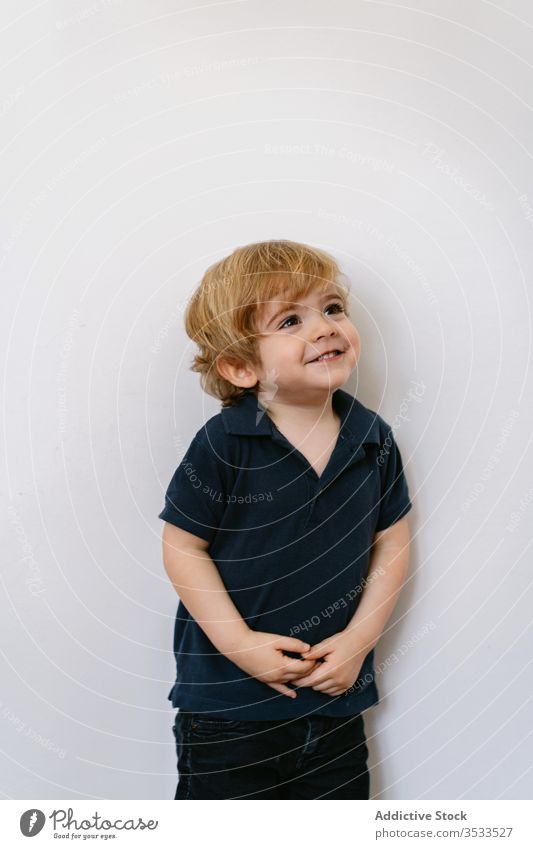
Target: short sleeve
(196, 496)
(394, 502)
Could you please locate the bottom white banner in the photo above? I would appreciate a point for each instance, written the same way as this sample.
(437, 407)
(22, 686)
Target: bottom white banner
(147, 822)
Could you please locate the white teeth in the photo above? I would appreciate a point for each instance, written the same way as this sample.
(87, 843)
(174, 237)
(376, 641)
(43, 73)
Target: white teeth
(328, 356)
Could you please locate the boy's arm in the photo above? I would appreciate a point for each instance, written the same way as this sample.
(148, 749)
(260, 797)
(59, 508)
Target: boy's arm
(389, 562)
(344, 653)
(197, 581)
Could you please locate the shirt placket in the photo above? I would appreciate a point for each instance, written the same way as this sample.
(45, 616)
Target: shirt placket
(346, 453)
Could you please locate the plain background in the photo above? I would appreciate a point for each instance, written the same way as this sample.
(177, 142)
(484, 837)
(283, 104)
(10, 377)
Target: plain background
(141, 142)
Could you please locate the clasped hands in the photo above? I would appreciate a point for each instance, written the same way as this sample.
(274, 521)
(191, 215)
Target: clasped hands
(331, 666)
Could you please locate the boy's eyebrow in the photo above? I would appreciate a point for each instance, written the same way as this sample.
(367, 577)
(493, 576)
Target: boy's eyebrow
(291, 304)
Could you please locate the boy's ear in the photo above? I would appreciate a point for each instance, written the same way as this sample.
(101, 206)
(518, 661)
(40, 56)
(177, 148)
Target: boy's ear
(236, 372)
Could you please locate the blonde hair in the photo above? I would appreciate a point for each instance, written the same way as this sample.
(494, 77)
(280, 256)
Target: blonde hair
(222, 314)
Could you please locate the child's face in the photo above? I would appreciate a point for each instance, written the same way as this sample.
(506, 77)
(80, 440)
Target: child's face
(290, 341)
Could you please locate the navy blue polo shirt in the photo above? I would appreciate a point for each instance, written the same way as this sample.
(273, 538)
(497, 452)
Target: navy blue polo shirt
(292, 547)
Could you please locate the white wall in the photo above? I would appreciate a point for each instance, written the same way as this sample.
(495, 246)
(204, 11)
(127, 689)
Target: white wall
(142, 143)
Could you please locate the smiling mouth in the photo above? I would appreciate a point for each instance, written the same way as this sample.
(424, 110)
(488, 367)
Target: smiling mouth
(331, 355)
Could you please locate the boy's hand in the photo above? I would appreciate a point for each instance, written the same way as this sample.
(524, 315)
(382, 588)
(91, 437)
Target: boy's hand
(343, 656)
(261, 655)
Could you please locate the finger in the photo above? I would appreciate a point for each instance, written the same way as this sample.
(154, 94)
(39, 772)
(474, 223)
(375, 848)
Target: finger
(292, 644)
(320, 650)
(314, 651)
(333, 692)
(286, 691)
(327, 684)
(316, 677)
(297, 675)
(296, 678)
(298, 667)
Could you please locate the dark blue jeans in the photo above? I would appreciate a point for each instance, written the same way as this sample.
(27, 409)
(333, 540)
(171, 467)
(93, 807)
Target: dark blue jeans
(312, 757)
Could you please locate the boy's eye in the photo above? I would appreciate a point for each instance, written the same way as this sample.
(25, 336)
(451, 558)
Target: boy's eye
(289, 318)
(336, 306)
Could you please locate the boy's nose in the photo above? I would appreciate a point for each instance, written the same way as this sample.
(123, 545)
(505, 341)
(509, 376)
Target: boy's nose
(320, 325)
(325, 332)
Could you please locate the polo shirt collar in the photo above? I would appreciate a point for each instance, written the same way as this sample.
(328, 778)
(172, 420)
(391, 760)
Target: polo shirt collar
(248, 418)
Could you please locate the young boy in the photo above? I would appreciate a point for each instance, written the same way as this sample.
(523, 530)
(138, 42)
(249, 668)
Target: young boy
(285, 537)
